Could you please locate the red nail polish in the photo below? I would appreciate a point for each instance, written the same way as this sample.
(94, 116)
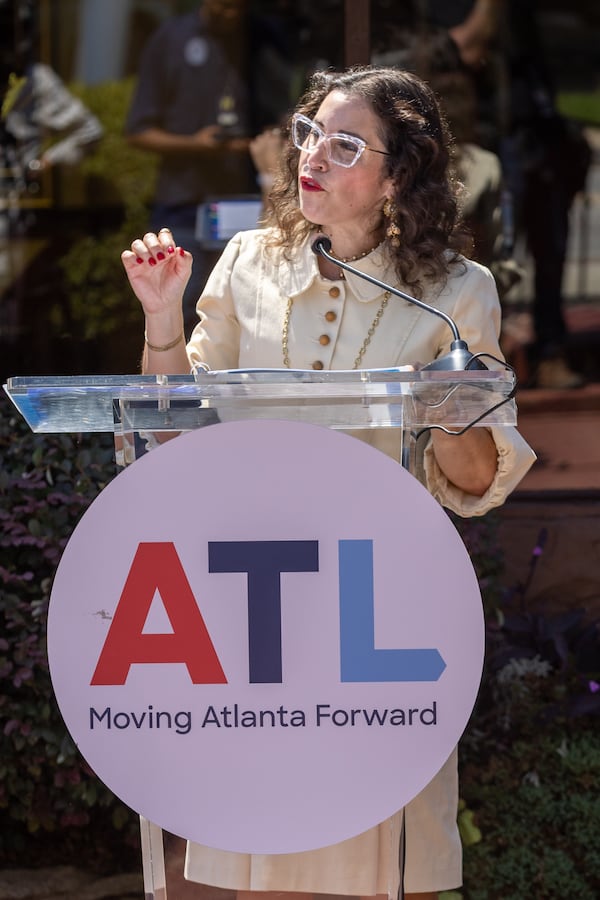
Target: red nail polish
(139, 260)
(181, 251)
(152, 261)
(160, 255)
(170, 249)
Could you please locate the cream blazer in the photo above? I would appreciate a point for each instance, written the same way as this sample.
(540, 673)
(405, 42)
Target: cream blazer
(243, 310)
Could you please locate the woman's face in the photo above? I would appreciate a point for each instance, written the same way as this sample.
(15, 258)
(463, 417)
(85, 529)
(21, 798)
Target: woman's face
(347, 200)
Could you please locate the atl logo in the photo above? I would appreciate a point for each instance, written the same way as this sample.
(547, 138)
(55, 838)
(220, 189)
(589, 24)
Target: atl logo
(156, 567)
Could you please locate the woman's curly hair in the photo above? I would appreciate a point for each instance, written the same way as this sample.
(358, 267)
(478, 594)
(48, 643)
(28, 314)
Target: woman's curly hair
(415, 133)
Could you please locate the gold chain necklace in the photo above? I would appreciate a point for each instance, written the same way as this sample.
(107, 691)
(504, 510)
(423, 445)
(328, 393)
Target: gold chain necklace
(349, 259)
(365, 343)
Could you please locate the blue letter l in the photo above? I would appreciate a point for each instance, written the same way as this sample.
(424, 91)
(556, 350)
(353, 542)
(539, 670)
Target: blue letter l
(360, 661)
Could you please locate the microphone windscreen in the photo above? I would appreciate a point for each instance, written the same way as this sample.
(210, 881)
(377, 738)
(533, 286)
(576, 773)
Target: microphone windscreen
(321, 243)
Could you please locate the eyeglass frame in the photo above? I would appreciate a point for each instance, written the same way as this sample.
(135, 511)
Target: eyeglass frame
(326, 138)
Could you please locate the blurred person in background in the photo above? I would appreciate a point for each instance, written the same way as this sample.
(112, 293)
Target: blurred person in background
(545, 158)
(432, 54)
(208, 82)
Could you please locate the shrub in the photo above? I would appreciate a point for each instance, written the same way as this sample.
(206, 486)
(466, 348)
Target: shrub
(101, 303)
(536, 804)
(530, 768)
(48, 796)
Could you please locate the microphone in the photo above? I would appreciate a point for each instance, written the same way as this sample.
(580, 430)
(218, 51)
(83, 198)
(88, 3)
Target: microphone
(458, 359)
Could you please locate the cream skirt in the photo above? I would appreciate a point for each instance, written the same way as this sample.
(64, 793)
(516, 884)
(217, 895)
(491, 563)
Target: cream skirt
(425, 833)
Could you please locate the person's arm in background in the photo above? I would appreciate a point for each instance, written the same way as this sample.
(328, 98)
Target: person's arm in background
(265, 151)
(157, 140)
(473, 35)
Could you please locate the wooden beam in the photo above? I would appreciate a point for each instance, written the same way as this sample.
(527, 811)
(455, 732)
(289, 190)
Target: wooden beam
(357, 32)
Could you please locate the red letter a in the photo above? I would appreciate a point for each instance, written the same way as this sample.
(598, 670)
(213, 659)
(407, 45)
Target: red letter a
(157, 567)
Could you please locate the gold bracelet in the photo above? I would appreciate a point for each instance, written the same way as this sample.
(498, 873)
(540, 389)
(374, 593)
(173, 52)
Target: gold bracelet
(163, 347)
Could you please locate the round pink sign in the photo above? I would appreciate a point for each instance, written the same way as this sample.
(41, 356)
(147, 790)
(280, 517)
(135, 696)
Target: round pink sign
(265, 636)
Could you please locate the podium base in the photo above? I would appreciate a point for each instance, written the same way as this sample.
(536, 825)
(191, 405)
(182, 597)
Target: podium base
(153, 861)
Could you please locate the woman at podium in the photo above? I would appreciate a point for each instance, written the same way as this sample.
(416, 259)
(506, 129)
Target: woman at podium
(366, 169)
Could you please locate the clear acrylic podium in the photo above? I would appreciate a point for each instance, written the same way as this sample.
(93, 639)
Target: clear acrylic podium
(134, 407)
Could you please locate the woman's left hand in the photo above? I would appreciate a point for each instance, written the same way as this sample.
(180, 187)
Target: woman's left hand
(469, 460)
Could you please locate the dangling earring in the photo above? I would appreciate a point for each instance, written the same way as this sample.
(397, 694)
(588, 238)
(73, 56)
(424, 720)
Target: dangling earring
(390, 211)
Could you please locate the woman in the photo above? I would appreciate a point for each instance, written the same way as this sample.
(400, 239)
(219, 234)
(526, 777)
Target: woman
(367, 166)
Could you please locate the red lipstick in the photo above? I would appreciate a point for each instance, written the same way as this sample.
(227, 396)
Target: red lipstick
(309, 184)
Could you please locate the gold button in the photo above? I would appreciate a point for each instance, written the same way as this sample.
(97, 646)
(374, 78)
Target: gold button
(334, 292)
(331, 316)
(324, 340)
(317, 365)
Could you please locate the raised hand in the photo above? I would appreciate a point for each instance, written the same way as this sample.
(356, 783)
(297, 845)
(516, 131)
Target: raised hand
(158, 271)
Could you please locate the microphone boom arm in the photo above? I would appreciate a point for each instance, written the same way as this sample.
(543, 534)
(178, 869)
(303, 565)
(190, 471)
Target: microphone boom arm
(458, 359)
(319, 247)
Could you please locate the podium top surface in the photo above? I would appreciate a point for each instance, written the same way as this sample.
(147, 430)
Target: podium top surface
(364, 398)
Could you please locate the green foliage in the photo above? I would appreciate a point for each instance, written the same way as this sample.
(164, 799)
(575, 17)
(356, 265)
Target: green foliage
(537, 807)
(101, 303)
(480, 536)
(117, 172)
(47, 793)
(581, 106)
(529, 760)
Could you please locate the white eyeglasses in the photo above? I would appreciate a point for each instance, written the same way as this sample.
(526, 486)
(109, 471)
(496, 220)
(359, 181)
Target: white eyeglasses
(342, 149)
